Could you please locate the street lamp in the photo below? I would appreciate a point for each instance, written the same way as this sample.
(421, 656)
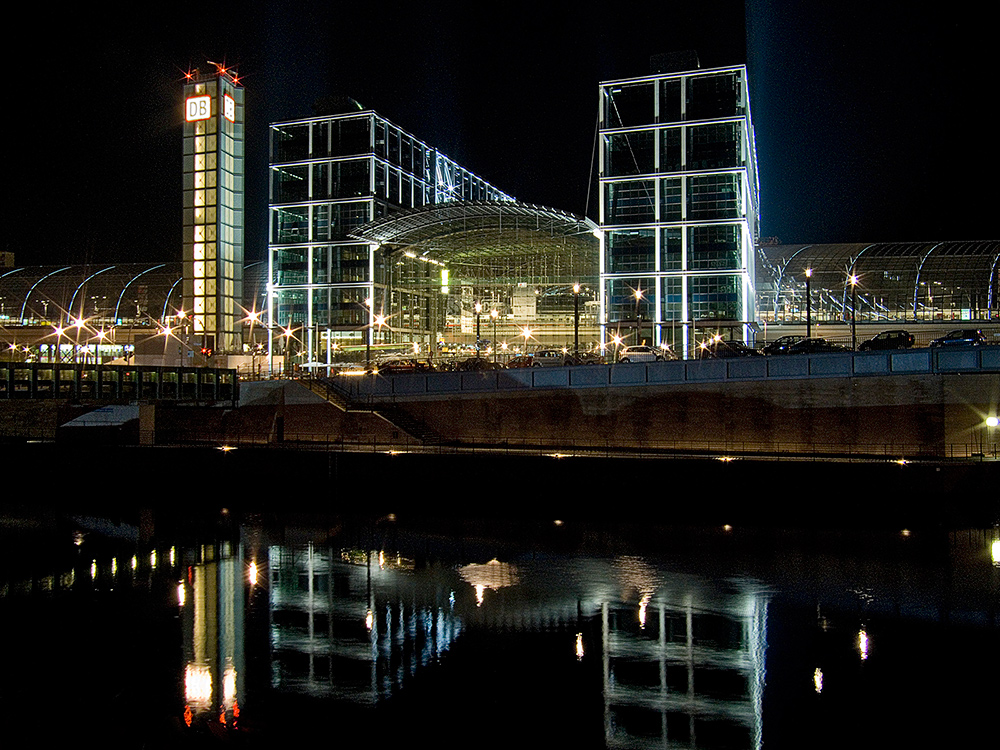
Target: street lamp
(494, 314)
(854, 311)
(638, 316)
(479, 309)
(809, 318)
(526, 333)
(576, 320)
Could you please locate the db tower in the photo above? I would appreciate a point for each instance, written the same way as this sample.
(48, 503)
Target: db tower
(213, 211)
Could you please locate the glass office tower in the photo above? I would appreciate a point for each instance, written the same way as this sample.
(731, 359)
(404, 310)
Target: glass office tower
(213, 209)
(678, 203)
(330, 175)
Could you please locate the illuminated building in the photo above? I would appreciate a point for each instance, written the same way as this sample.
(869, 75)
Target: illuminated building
(213, 208)
(678, 204)
(330, 175)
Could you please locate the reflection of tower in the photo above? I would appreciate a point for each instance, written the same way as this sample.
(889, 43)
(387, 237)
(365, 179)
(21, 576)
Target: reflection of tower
(212, 613)
(349, 624)
(213, 207)
(682, 675)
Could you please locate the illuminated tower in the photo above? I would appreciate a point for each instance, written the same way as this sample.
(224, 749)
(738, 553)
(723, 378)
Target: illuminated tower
(213, 208)
(678, 187)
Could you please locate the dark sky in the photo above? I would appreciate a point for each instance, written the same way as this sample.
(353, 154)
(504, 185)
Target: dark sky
(873, 123)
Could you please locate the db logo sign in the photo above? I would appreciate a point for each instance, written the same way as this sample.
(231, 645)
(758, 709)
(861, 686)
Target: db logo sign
(198, 108)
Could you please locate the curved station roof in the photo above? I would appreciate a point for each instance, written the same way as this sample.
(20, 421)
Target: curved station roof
(136, 294)
(904, 280)
(502, 242)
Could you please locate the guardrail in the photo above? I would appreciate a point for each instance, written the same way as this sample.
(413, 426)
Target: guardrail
(91, 382)
(375, 387)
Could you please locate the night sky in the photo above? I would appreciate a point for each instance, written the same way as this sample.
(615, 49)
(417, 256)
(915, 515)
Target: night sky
(872, 123)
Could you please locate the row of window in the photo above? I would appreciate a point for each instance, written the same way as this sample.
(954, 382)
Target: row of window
(710, 146)
(696, 198)
(715, 297)
(681, 98)
(708, 247)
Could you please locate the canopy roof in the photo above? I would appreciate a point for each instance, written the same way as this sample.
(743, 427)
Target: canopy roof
(499, 242)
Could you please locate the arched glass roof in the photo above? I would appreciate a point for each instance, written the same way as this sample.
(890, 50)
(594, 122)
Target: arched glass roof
(134, 294)
(493, 242)
(905, 281)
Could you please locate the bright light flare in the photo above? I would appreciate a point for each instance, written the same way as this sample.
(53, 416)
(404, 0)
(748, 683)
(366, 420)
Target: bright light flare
(863, 644)
(252, 573)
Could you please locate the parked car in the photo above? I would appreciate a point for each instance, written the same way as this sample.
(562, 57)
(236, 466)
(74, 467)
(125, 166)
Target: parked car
(398, 366)
(816, 346)
(961, 337)
(585, 358)
(548, 358)
(887, 340)
(641, 354)
(719, 349)
(475, 364)
(781, 345)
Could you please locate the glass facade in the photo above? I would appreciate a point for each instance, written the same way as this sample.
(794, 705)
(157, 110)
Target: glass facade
(678, 203)
(213, 209)
(331, 175)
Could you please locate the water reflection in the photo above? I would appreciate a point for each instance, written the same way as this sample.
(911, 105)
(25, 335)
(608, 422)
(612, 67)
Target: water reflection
(642, 647)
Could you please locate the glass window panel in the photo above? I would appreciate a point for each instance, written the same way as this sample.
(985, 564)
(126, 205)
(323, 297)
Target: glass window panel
(714, 146)
(629, 105)
(290, 184)
(630, 250)
(710, 96)
(671, 249)
(670, 100)
(630, 202)
(630, 153)
(670, 200)
(714, 297)
(714, 197)
(716, 246)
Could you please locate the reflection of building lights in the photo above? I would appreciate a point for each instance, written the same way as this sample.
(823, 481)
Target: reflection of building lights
(152, 559)
(579, 646)
(818, 680)
(173, 556)
(93, 569)
(863, 644)
(135, 562)
(253, 573)
(114, 566)
(369, 620)
(643, 603)
(197, 684)
(995, 549)
(78, 538)
(181, 594)
(229, 685)
(492, 575)
(905, 532)
(381, 559)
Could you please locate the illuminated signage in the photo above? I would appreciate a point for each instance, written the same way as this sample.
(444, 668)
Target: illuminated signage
(229, 108)
(198, 108)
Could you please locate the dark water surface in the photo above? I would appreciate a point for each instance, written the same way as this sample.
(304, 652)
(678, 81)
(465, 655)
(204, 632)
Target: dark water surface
(163, 627)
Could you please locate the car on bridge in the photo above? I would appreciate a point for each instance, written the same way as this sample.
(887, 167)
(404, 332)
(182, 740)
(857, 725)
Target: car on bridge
(781, 345)
(644, 354)
(887, 340)
(960, 337)
(719, 349)
(816, 346)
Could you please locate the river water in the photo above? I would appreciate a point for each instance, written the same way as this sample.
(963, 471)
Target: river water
(250, 630)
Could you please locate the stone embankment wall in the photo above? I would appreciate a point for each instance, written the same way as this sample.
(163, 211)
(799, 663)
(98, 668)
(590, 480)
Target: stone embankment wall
(924, 414)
